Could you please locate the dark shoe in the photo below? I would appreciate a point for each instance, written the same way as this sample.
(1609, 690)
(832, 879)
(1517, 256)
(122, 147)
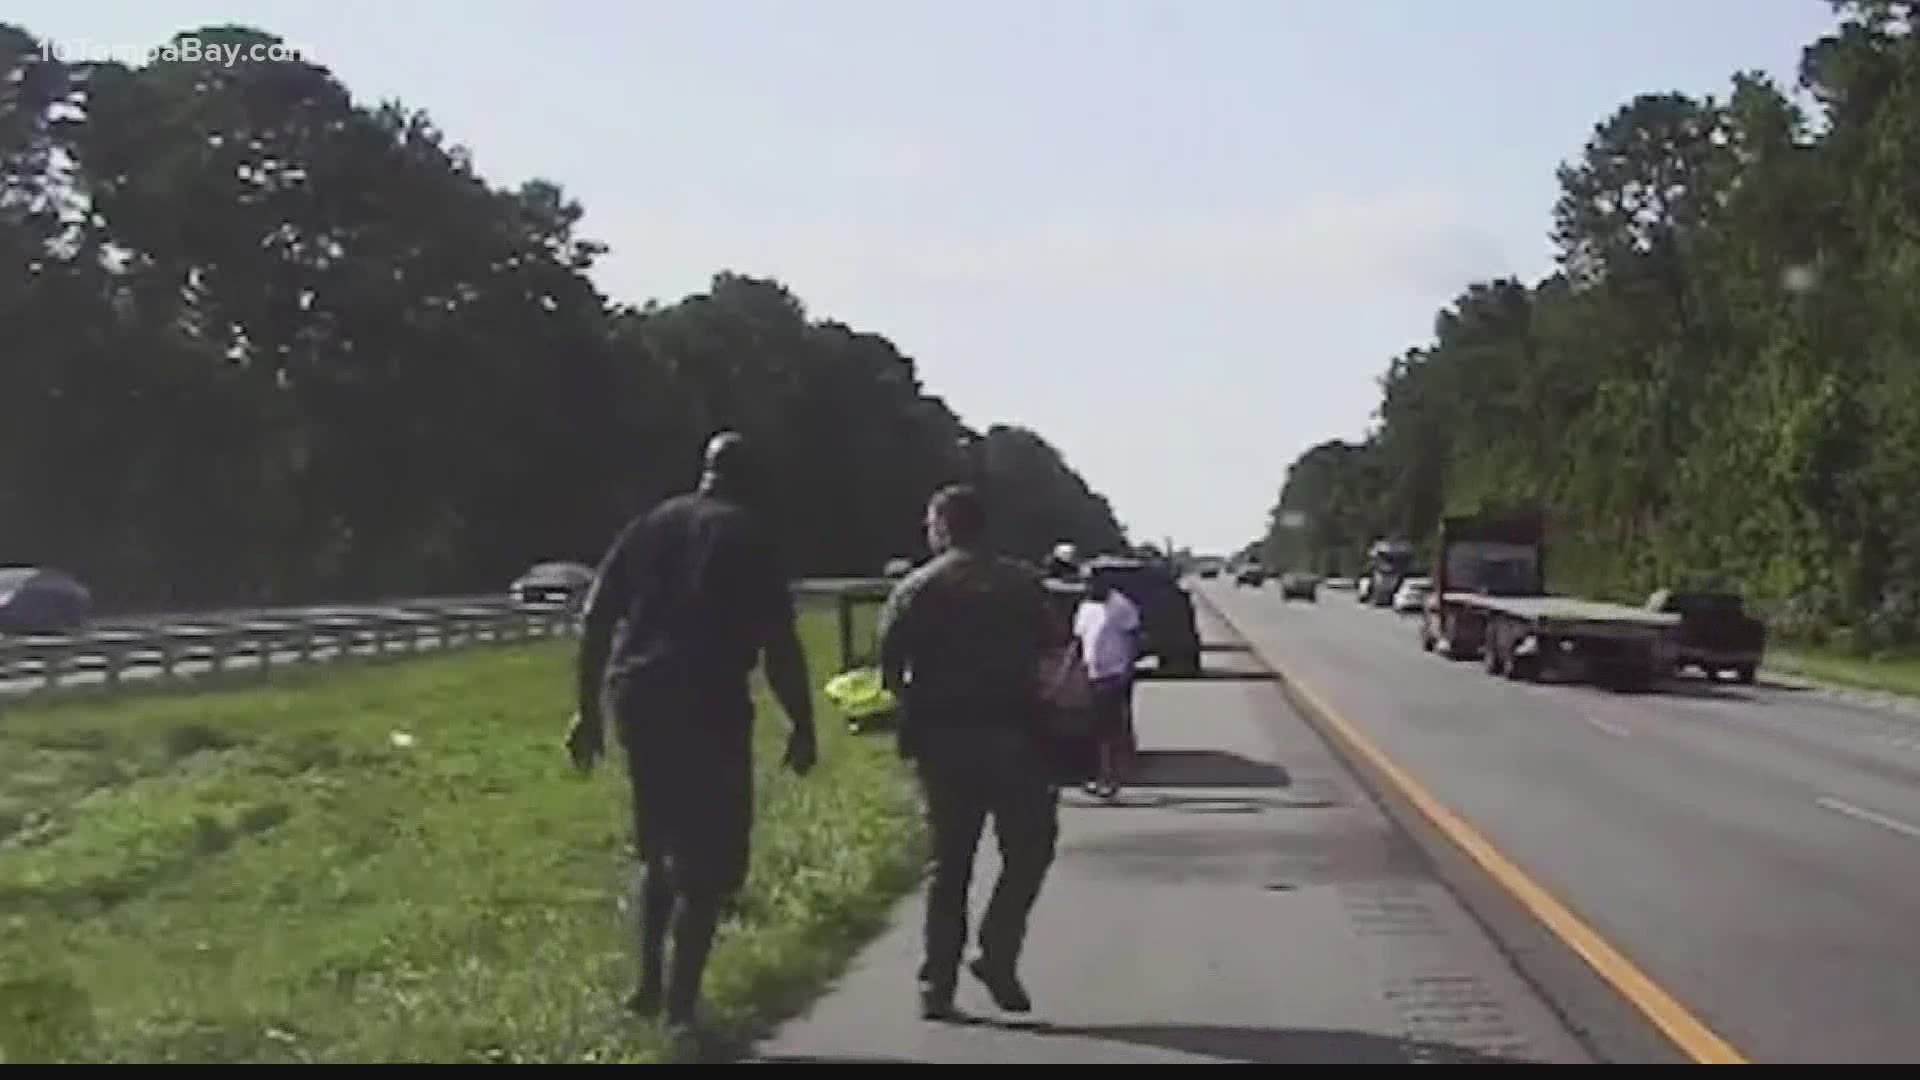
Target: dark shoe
(689, 1041)
(645, 1001)
(937, 1004)
(1003, 986)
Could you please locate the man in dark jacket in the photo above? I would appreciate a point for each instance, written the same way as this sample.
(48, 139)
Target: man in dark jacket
(696, 593)
(961, 640)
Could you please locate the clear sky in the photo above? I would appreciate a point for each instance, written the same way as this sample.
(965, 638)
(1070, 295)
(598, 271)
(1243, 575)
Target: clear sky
(1181, 238)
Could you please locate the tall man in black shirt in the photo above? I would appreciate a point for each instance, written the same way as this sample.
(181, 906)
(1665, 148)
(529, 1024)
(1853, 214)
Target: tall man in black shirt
(687, 600)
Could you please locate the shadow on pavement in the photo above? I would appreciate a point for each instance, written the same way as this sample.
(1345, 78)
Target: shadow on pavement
(1237, 1044)
(1213, 675)
(1284, 1045)
(1700, 691)
(1203, 768)
(1700, 688)
(1185, 804)
(1226, 647)
(824, 1059)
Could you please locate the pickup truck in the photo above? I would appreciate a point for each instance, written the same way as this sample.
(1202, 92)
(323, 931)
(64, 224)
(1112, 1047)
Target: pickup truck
(1716, 635)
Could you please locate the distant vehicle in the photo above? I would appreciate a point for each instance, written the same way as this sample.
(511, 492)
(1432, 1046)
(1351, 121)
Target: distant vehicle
(1171, 633)
(1389, 562)
(1716, 637)
(1251, 574)
(553, 585)
(40, 600)
(1063, 562)
(1298, 586)
(1412, 595)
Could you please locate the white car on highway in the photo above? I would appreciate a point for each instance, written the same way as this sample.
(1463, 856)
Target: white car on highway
(1412, 595)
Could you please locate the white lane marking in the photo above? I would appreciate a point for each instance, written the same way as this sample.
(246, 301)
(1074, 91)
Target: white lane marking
(1605, 725)
(1882, 820)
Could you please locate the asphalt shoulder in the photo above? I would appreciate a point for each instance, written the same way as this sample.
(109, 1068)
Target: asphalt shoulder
(1243, 900)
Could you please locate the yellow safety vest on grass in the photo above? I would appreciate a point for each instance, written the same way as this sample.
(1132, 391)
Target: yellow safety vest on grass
(860, 694)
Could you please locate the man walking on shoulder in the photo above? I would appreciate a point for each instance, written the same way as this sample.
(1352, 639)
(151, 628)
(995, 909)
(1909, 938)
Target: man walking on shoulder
(688, 599)
(960, 643)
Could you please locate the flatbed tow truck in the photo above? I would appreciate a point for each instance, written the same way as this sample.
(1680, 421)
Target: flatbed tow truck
(1490, 603)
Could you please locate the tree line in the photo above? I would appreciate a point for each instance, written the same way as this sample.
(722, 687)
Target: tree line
(259, 343)
(1719, 382)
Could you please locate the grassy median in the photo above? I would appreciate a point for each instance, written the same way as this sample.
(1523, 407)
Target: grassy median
(391, 862)
(1893, 673)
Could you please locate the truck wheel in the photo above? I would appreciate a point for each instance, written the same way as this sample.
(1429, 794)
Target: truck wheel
(1490, 656)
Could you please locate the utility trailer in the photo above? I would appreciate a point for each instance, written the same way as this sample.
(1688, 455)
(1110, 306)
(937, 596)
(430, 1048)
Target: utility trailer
(1490, 603)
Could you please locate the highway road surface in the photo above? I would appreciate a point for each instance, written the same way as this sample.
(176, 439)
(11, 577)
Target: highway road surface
(1753, 851)
(1242, 901)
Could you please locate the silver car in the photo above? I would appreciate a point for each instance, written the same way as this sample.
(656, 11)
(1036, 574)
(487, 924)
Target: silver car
(551, 586)
(37, 600)
(1412, 595)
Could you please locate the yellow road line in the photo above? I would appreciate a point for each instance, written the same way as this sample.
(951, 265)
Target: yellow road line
(1666, 1013)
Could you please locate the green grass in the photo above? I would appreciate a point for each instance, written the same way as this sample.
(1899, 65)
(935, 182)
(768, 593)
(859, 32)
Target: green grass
(1898, 674)
(263, 874)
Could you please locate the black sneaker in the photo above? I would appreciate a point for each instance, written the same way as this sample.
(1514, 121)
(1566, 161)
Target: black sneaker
(645, 1002)
(937, 1004)
(1003, 986)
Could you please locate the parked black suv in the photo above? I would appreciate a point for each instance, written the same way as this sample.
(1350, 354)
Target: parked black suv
(1171, 633)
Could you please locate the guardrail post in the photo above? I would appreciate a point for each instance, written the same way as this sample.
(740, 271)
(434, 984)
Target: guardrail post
(843, 604)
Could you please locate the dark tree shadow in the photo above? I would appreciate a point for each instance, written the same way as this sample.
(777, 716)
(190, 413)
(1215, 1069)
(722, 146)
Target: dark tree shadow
(1226, 647)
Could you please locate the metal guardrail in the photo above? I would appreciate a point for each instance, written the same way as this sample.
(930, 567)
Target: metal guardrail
(181, 645)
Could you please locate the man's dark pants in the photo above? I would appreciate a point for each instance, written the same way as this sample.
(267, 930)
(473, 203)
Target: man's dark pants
(969, 778)
(690, 762)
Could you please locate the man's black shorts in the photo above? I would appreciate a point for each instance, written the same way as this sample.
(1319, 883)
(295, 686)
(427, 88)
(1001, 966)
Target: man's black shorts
(690, 760)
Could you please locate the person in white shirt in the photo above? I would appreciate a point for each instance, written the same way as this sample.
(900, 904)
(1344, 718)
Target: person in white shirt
(1108, 626)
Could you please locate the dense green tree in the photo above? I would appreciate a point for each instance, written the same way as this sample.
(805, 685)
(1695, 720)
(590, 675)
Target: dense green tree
(1717, 384)
(260, 343)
